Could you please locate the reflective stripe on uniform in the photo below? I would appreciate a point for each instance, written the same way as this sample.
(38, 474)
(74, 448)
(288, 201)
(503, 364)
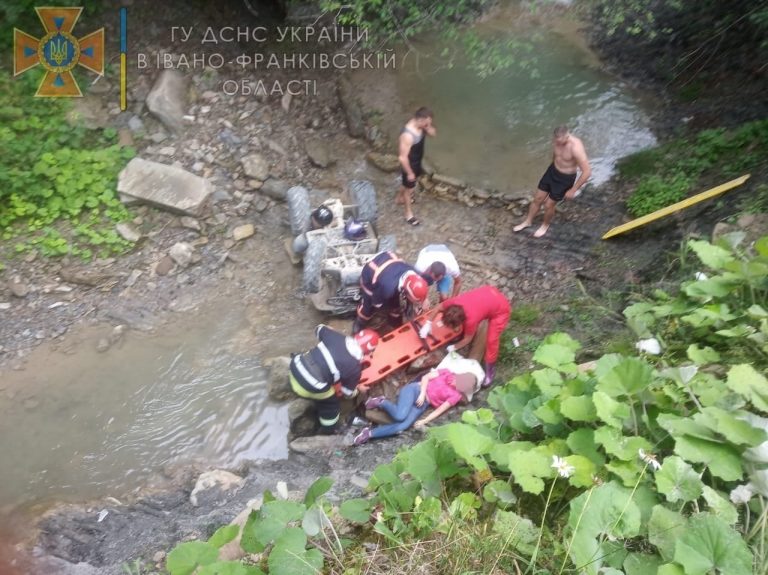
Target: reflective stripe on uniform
(308, 378)
(328, 422)
(329, 361)
(382, 267)
(301, 392)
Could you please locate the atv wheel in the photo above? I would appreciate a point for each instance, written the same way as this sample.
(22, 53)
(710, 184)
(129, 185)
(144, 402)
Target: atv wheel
(313, 263)
(298, 209)
(363, 195)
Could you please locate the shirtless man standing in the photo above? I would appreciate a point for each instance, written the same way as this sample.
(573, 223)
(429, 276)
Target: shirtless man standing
(410, 155)
(559, 181)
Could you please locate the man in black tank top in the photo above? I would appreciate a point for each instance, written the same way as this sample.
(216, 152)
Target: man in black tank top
(410, 156)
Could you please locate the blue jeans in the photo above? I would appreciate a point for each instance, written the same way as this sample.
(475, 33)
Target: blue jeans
(405, 412)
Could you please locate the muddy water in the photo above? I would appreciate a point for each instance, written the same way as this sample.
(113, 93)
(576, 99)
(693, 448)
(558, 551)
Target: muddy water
(495, 132)
(86, 425)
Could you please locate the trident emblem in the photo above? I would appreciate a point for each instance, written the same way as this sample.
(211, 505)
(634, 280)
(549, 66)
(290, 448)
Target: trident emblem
(59, 52)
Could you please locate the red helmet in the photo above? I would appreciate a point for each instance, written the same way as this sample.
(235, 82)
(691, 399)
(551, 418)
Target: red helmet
(367, 339)
(415, 287)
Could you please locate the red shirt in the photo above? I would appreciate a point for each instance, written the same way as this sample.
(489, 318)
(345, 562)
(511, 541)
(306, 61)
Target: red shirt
(479, 304)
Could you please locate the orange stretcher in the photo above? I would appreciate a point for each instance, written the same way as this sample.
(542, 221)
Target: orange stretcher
(402, 345)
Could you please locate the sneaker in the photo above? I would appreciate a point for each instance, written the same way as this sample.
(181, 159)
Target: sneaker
(363, 436)
(375, 402)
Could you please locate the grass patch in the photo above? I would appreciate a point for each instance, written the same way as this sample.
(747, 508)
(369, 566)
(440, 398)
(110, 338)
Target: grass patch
(57, 181)
(668, 174)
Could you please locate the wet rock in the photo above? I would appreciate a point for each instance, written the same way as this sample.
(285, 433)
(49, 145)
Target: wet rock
(278, 384)
(18, 288)
(352, 111)
(127, 232)
(243, 232)
(384, 162)
(168, 99)
(182, 253)
(315, 444)
(164, 266)
(301, 416)
(5, 306)
(318, 153)
(102, 345)
(255, 166)
(117, 334)
(275, 189)
(222, 481)
(168, 187)
(448, 180)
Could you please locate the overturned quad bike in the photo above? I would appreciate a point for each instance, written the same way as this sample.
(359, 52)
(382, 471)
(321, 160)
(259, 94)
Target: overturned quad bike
(332, 261)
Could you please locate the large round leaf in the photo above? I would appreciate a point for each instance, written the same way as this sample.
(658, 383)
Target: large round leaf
(678, 480)
(710, 545)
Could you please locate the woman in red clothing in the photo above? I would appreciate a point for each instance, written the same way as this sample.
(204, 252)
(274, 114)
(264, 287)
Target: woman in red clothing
(467, 310)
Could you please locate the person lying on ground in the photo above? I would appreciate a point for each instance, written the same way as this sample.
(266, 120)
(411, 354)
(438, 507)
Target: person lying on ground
(454, 381)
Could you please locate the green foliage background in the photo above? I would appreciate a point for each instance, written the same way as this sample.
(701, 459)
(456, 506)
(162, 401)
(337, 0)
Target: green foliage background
(52, 172)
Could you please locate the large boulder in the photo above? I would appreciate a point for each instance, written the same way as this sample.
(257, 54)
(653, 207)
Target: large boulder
(164, 186)
(278, 384)
(168, 99)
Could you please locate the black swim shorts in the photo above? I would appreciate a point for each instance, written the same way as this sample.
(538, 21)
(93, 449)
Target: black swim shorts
(417, 172)
(556, 183)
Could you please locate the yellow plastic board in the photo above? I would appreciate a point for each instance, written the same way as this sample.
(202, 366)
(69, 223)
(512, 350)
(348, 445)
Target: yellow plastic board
(716, 191)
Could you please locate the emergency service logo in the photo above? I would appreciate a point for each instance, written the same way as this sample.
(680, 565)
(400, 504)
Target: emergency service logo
(59, 52)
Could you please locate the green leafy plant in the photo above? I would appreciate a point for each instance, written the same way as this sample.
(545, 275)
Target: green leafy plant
(57, 182)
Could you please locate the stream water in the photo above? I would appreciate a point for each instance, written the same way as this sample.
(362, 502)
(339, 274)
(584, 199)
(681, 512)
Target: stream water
(496, 132)
(89, 425)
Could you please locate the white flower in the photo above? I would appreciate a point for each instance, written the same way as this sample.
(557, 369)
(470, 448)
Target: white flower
(701, 276)
(649, 458)
(562, 466)
(741, 494)
(650, 345)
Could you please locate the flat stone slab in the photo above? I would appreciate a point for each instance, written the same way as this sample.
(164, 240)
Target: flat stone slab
(318, 443)
(168, 187)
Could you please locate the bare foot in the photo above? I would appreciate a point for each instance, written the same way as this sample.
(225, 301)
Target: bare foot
(522, 226)
(541, 231)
